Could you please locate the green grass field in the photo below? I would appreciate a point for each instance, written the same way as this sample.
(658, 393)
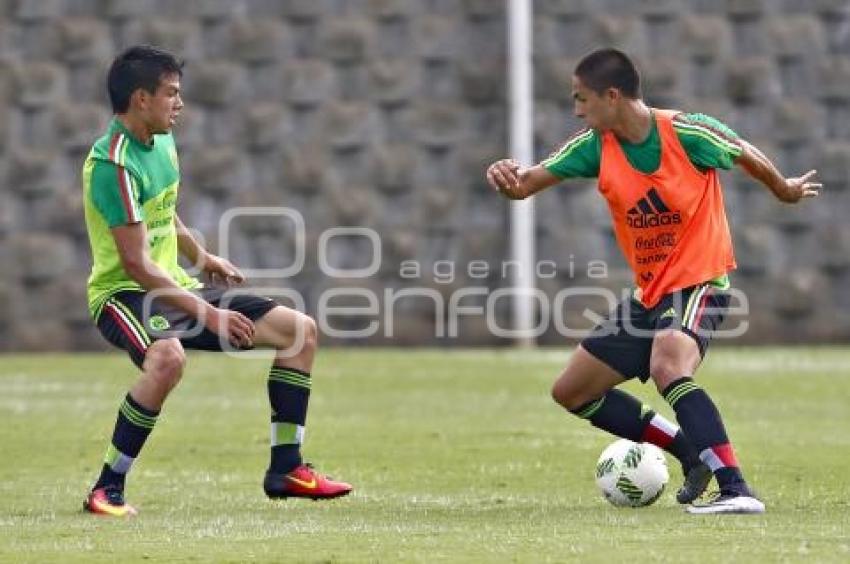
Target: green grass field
(455, 455)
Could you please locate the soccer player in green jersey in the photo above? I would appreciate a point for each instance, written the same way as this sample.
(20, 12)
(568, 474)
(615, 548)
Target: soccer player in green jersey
(657, 171)
(144, 302)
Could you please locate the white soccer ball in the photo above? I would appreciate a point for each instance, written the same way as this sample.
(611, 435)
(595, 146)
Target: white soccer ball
(631, 474)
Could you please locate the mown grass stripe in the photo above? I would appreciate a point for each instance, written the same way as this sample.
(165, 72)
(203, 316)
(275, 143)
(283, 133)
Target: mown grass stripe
(427, 436)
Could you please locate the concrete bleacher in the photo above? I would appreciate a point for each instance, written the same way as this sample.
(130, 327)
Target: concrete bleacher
(385, 113)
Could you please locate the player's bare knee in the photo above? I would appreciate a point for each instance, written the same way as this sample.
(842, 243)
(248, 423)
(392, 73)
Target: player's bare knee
(295, 334)
(302, 339)
(556, 393)
(663, 375)
(664, 369)
(561, 396)
(165, 362)
(671, 358)
(565, 394)
(311, 333)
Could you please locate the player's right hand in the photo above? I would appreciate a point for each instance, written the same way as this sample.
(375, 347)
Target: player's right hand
(237, 329)
(503, 177)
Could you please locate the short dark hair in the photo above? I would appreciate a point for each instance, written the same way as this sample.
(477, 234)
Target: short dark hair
(609, 68)
(140, 66)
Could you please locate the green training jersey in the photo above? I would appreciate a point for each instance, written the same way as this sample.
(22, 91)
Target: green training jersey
(126, 181)
(708, 143)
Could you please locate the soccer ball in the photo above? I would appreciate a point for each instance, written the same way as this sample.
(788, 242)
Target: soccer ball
(631, 474)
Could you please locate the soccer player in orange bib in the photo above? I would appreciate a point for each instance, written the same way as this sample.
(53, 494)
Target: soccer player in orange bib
(657, 170)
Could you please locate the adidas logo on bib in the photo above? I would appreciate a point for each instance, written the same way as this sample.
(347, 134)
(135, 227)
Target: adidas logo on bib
(651, 211)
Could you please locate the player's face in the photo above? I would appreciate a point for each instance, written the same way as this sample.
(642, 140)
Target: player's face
(165, 104)
(597, 111)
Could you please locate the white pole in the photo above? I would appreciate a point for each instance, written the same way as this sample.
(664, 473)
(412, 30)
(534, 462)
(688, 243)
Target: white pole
(522, 149)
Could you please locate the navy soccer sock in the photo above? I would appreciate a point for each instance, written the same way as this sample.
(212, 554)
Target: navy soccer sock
(701, 422)
(625, 416)
(289, 394)
(132, 428)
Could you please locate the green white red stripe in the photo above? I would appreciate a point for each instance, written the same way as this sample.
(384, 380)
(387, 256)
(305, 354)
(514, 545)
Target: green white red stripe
(129, 325)
(117, 149)
(659, 432)
(695, 307)
(719, 456)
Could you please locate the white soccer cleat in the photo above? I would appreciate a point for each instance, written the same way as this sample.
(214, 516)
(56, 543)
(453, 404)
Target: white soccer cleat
(739, 504)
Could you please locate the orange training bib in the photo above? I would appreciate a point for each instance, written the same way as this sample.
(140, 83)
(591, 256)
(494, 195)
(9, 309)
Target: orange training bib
(671, 223)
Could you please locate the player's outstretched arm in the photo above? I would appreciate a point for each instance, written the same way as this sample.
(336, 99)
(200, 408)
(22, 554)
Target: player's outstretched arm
(789, 190)
(513, 181)
(219, 270)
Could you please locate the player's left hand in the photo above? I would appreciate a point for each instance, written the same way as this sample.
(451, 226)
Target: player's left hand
(800, 187)
(221, 271)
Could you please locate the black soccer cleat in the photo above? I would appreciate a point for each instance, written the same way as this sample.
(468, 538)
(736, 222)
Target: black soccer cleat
(696, 481)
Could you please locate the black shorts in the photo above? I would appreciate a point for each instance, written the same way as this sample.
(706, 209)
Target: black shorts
(624, 340)
(131, 321)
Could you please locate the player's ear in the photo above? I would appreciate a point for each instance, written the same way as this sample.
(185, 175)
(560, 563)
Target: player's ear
(612, 94)
(140, 98)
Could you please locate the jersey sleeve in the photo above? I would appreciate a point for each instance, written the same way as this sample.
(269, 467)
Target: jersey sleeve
(578, 157)
(114, 194)
(708, 142)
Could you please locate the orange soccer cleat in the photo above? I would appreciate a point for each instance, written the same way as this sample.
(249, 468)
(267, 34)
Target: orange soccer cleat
(108, 501)
(303, 481)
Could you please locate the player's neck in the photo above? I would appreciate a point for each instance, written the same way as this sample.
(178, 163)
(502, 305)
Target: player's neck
(635, 122)
(136, 127)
